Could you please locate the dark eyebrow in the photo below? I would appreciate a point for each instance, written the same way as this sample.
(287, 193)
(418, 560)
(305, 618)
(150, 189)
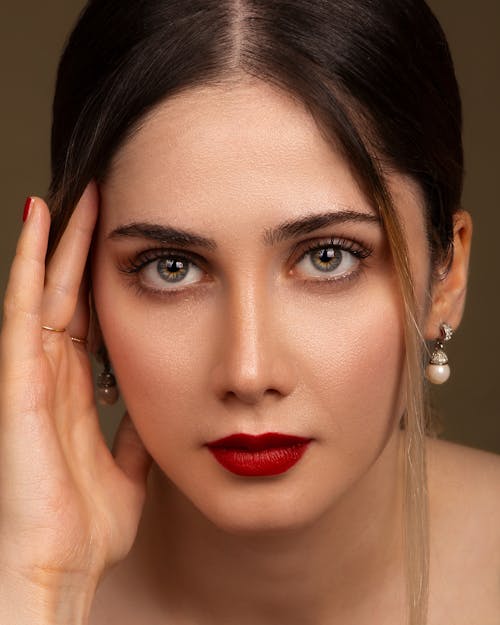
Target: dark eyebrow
(163, 234)
(168, 235)
(309, 223)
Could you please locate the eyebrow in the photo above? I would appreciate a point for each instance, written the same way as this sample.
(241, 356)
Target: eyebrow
(309, 223)
(168, 235)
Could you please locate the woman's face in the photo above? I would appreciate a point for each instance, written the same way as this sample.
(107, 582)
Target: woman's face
(242, 328)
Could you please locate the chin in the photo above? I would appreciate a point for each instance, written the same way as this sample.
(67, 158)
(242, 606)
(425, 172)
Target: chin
(292, 501)
(269, 523)
(258, 507)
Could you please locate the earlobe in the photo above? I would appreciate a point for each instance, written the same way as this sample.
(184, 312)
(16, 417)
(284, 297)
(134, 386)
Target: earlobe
(449, 293)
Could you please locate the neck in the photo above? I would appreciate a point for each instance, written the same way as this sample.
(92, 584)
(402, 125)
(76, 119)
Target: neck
(339, 565)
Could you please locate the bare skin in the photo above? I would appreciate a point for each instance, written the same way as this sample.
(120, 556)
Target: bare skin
(465, 543)
(237, 349)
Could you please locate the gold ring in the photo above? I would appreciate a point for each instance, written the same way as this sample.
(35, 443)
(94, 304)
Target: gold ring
(77, 340)
(53, 329)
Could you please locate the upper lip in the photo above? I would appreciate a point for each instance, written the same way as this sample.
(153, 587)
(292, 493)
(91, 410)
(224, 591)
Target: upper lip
(259, 442)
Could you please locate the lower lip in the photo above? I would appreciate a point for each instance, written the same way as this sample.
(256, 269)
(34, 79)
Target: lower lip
(259, 463)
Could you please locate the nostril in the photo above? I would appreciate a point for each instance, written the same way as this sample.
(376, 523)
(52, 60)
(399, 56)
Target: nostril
(251, 396)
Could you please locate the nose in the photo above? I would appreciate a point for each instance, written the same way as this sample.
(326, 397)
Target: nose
(253, 357)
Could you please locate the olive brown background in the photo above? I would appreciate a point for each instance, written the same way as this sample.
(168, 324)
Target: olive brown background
(32, 35)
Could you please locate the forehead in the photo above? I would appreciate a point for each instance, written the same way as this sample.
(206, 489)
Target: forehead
(246, 149)
(251, 120)
(245, 141)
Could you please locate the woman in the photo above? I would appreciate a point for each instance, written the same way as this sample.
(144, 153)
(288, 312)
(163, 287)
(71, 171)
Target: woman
(263, 201)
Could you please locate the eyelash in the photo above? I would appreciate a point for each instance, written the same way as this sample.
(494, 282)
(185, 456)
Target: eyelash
(135, 264)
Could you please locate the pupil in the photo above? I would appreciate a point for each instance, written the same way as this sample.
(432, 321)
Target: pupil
(174, 265)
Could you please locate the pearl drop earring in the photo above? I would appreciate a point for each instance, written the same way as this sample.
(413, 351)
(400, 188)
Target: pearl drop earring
(438, 369)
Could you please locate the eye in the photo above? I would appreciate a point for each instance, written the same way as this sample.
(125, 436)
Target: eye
(335, 259)
(171, 270)
(160, 268)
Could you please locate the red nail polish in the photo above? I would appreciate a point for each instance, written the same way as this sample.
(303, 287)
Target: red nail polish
(27, 207)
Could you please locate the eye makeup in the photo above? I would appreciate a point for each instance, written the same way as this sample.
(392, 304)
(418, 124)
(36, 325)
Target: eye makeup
(172, 266)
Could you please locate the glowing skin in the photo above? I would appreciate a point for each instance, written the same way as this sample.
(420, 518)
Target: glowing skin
(252, 349)
(258, 341)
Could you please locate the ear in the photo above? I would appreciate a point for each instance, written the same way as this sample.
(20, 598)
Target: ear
(448, 293)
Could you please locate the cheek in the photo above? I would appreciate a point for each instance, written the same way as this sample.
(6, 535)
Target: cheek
(353, 361)
(159, 355)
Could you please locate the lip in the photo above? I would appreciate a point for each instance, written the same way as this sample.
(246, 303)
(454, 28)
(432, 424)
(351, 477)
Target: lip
(263, 455)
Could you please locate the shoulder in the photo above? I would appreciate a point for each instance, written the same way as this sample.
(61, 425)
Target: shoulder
(461, 472)
(464, 497)
(465, 482)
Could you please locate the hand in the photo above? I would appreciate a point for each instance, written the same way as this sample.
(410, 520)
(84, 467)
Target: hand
(68, 506)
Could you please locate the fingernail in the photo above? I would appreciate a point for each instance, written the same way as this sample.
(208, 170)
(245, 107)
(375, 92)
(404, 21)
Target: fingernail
(27, 207)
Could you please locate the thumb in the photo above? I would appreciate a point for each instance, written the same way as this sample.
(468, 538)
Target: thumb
(129, 452)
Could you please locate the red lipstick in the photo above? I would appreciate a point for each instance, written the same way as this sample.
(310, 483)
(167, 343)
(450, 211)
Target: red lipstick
(267, 454)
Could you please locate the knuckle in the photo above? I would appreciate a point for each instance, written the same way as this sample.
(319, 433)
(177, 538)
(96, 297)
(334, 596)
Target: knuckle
(22, 257)
(83, 228)
(58, 287)
(15, 305)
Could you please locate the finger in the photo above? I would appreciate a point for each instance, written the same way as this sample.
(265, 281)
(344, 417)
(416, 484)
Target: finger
(129, 452)
(64, 272)
(21, 327)
(79, 324)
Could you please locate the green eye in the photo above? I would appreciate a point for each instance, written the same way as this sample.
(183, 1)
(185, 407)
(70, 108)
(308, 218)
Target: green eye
(170, 269)
(326, 259)
(173, 269)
